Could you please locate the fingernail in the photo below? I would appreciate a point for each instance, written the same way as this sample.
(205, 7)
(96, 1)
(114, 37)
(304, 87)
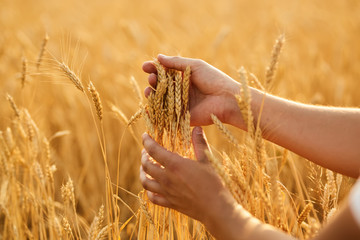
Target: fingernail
(144, 136)
(161, 55)
(150, 194)
(198, 130)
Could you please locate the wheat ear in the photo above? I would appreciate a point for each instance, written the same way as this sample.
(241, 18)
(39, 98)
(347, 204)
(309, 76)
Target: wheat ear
(305, 212)
(13, 105)
(42, 51)
(185, 87)
(96, 99)
(71, 76)
(23, 72)
(271, 69)
(244, 102)
(136, 116)
(224, 130)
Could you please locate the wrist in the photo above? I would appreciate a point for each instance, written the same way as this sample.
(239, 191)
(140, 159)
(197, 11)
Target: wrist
(233, 115)
(224, 219)
(231, 112)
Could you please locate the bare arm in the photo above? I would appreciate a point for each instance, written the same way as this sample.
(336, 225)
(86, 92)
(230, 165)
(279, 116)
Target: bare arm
(242, 225)
(327, 136)
(343, 226)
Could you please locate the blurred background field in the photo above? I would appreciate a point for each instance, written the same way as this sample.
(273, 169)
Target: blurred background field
(107, 41)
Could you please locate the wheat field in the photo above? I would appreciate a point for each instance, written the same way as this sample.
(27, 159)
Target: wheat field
(70, 168)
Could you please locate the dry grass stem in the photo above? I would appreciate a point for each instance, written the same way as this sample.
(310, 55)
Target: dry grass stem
(136, 89)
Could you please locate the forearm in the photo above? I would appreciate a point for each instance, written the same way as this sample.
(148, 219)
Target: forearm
(326, 136)
(228, 220)
(343, 226)
(239, 224)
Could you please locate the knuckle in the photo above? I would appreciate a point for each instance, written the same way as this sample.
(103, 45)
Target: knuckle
(199, 62)
(150, 147)
(171, 204)
(145, 166)
(154, 200)
(166, 183)
(174, 166)
(142, 178)
(144, 183)
(172, 193)
(176, 58)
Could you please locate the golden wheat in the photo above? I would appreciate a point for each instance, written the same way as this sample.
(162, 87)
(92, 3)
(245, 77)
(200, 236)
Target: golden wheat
(96, 100)
(34, 166)
(71, 76)
(42, 51)
(271, 69)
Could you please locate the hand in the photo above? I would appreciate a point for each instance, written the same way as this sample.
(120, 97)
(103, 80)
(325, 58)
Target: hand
(211, 91)
(191, 187)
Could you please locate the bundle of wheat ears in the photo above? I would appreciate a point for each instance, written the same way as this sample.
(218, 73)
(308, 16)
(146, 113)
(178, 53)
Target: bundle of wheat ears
(167, 119)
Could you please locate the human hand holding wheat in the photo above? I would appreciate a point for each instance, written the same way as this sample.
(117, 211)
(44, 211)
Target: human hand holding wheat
(191, 187)
(211, 91)
(188, 186)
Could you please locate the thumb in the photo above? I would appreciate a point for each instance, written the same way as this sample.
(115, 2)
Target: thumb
(178, 63)
(200, 144)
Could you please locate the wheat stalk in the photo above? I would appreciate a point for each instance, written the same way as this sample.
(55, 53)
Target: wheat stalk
(136, 88)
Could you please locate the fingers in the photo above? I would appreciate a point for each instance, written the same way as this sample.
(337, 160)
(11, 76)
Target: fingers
(147, 91)
(149, 67)
(149, 184)
(157, 152)
(158, 199)
(152, 80)
(150, 167)
(200, 144)
(178, 63)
